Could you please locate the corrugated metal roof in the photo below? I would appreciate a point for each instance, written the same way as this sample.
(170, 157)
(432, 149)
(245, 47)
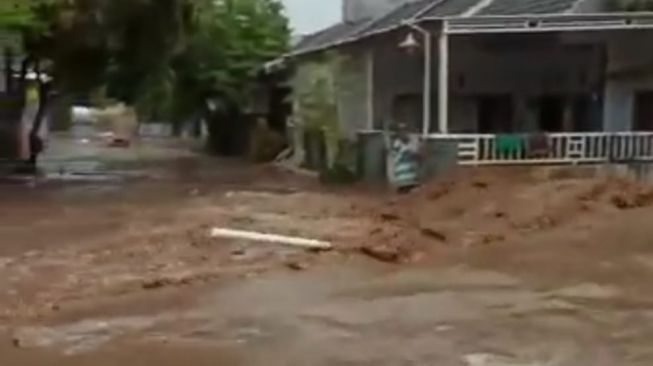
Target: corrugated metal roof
(397, 16)
(524, 7)
(421, 9)
(449, 8)
(332, 34)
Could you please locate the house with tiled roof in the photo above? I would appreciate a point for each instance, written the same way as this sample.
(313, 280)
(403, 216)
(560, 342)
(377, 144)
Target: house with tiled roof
(574, 75)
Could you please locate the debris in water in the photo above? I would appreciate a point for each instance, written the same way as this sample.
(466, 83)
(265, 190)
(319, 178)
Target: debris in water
(500, 214)
(270, 238)
(629, 200)
(383, 253)
(156, 283)
(488, 359)
(493, 238)
(297, 265)
(387, 216)
(480, 184)
(434, 234)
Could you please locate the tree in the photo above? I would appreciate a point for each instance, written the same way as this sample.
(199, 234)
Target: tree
(22, 16)
(231, 39)
(95, 43)
(227, 44)
(18, 14)
(173, 59)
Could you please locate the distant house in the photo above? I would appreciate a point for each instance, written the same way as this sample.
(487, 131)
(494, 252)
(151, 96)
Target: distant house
(510, 81)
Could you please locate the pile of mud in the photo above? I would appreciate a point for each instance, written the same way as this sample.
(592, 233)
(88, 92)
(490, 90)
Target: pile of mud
(482, 207)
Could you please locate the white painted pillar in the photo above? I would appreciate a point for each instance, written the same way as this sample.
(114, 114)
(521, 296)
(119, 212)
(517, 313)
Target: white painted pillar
(443, 80)
(428, 80)
(370, 90)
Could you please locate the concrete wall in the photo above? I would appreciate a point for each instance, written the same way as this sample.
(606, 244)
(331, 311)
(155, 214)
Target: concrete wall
(629, 70)
(347, 75)
(353, 10)
(618, 112)
(352, 93)
(397, 74)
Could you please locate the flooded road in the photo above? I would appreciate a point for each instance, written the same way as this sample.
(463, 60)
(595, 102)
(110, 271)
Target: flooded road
(359, 313)
(116, 271)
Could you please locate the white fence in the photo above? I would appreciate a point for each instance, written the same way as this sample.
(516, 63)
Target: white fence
(552, 148)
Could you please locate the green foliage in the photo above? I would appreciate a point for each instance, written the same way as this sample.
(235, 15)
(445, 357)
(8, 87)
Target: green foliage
(173, 60)
(15, 14)
(226, 46)
(21, 18)
(142, 38)
(168, 57)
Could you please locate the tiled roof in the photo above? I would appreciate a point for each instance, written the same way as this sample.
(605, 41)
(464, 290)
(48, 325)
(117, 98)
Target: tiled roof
(420, 9)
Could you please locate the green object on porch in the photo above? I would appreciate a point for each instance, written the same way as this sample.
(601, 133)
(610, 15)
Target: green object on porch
(508, 144)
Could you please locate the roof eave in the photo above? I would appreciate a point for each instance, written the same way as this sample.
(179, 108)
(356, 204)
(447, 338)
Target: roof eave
(359, 37)
(548, 23)
(517, 24)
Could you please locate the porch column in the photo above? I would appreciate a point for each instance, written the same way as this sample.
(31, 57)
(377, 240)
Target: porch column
(443, 80)
(370, 89)
(428, 79)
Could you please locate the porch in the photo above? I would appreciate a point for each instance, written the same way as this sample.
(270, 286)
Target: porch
(520, 90)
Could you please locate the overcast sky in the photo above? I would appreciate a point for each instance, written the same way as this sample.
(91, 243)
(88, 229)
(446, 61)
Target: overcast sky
(308, 16)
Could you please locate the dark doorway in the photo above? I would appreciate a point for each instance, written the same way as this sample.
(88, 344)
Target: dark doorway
(279, 108)
(643, 111)
(582, 114)
(495, 114)
(552, 112)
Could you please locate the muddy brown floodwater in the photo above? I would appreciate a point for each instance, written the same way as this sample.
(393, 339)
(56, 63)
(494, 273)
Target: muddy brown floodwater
(486, 268)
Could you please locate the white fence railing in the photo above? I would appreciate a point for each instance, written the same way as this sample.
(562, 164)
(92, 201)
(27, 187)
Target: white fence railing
(552, 148)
